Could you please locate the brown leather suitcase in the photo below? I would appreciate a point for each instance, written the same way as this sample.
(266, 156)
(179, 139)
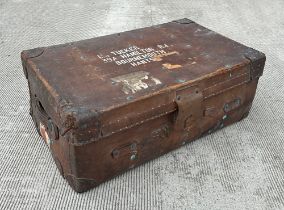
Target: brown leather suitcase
(108, 104)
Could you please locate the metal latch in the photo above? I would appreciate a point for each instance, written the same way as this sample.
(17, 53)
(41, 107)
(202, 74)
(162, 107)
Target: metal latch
(190, 110)
(130, 151)
(232, 105)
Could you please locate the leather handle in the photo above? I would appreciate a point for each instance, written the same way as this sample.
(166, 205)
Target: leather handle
(41, 111)
(48, 130)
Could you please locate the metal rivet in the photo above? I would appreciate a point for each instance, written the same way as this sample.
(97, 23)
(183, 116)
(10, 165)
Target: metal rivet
(180, 80)
(224, 117)
(133, 146)
(115, 153)
(238, 101)
(129, 97)
(226, 107)
(133, 157)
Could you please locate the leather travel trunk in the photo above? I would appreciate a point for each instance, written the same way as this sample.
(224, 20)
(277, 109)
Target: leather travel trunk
(108, 104)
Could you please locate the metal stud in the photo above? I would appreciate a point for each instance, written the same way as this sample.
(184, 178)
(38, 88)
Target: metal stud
(133, 146)
(133, 157)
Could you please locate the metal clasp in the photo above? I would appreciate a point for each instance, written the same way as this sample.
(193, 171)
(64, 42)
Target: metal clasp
(130, 150)
(190, 110)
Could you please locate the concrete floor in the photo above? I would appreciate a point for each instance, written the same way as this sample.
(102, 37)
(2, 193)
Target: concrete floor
(239, 167)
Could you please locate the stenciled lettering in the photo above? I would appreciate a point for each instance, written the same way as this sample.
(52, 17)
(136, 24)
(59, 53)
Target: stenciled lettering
(134, 55)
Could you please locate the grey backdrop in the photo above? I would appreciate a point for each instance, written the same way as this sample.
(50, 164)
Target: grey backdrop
(239, 167)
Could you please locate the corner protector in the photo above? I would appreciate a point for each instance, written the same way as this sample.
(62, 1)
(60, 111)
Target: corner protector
(72, 117)
(183, 21)
(66, 117)
(257, 61)
(80, 184)
(33, 53)
(27, 54)
(57, 163)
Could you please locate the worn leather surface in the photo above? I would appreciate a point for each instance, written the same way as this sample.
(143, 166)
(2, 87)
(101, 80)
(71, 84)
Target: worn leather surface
(238, 167)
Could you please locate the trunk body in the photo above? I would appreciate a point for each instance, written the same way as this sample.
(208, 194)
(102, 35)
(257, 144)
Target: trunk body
(111, 103)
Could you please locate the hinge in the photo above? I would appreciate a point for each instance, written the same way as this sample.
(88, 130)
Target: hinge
(190, 110)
